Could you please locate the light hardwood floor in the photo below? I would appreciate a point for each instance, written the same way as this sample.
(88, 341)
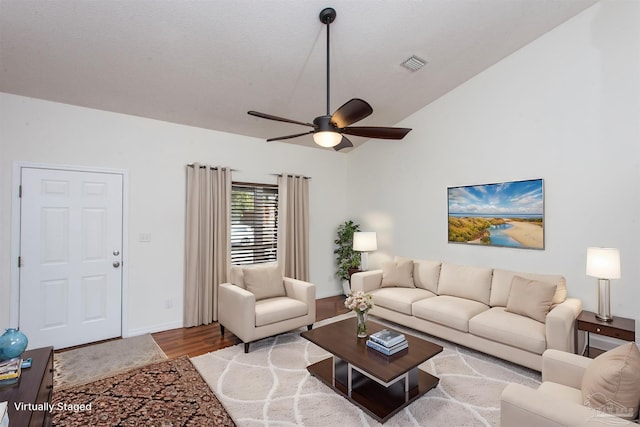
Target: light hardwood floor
(204, 339)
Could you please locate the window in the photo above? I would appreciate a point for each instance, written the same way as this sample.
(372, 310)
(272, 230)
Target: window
(254, 223)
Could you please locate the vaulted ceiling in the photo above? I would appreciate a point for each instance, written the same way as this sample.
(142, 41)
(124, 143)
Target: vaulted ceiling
(206, 63)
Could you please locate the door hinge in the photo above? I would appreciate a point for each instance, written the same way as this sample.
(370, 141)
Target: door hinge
(19, 261)
(20, 191)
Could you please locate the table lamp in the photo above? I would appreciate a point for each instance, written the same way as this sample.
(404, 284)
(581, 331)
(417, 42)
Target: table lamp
(364, 241)
(603, 264)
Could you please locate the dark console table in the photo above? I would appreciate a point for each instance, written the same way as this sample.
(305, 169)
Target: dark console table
(35, 387)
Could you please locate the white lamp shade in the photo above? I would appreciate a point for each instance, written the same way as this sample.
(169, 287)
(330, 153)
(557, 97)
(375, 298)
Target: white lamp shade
(365, 241)
(603, 263)
(327, 138)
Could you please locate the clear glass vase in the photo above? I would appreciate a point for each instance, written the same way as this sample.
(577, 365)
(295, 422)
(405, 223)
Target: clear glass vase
(361, 321)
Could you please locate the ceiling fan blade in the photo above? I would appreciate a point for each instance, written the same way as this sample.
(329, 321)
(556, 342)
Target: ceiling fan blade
(345, 143)
(376, 132)
(289, 136)
(352, 111)
(276, 118)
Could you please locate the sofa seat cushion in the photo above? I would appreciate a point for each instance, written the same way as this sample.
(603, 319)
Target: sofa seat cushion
(399, 299)
(561, 392)
(272, 310)
(512, 329)
(449, 311)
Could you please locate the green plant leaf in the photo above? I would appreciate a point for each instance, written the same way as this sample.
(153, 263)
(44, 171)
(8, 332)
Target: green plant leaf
(346, 257)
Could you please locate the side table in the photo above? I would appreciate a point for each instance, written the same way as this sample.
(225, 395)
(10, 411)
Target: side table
(620, 328)
(35, 387)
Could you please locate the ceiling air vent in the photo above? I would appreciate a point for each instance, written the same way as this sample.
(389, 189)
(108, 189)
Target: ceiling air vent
(414, 63)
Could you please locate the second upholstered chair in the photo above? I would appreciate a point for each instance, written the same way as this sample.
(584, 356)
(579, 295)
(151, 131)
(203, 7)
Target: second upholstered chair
(259, 302)
(578, 391)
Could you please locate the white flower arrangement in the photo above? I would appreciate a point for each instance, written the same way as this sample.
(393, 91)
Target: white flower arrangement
(359, 301)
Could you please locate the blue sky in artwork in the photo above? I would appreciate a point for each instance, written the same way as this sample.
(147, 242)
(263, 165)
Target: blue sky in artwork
(507, 198)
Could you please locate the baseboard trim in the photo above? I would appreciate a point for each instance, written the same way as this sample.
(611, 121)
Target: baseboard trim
(152, 329)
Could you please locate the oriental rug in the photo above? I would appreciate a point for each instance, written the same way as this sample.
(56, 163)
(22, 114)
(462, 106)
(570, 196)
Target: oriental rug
(89, 363)
(270, 386)
(169, 393)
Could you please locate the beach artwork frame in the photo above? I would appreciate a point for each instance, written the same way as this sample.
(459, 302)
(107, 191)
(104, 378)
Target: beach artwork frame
(506, 214)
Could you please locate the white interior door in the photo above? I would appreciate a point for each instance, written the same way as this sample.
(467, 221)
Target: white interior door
(70, 256)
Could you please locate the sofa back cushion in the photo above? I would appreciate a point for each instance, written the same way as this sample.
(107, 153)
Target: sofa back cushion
(501, 286)
(465, 281)
(426, 274)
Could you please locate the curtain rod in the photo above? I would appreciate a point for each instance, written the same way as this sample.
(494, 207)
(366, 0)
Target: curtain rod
(190, 165)
(290, 174)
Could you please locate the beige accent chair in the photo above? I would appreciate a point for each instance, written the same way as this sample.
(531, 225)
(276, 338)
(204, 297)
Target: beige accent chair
(557, 401)
(260, 303)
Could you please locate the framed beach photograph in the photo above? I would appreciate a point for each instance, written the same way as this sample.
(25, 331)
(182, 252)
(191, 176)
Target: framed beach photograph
(509, 214)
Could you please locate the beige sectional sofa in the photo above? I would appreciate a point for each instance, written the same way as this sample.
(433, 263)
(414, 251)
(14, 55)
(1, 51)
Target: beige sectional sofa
(468, 305)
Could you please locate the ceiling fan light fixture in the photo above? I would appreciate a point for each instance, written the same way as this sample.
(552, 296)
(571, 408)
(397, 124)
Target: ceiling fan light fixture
(327, 139)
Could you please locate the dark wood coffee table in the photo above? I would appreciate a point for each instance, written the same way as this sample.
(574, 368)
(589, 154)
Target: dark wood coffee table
(381, 385)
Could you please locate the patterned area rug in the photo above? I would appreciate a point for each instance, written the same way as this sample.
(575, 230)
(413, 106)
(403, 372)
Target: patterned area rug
(86, 364)
(271, 386)
(169, 393)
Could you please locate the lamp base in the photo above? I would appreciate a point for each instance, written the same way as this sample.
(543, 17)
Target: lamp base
(364, 261)
(604, 306)
(604, 318)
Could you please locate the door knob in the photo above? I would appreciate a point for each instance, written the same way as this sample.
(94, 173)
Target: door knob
(116, 253)
(116, 264)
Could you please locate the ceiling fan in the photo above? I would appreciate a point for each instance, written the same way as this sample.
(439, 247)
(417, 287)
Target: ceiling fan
(328, 130)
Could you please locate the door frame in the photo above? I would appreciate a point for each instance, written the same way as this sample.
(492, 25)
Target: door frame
(14, 305)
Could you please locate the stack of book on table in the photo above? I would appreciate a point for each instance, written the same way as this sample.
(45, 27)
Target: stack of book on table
(10, 371)
(387, 342)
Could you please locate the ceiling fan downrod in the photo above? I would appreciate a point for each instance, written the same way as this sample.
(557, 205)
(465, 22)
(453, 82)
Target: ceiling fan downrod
(327, 16)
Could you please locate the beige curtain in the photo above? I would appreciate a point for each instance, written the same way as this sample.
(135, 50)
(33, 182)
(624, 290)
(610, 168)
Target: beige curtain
(208, 252)
(293, 226)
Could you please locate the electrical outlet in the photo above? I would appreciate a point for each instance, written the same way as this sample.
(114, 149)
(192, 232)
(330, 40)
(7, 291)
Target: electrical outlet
(145, 238)
(168, 303)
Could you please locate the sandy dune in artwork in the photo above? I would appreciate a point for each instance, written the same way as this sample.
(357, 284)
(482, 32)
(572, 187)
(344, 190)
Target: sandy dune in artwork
(527, 234)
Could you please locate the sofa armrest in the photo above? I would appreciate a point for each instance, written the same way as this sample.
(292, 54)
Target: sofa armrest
(237, 310)
(522, 406)
(564, 368)
(302, 291)
(560, 324)
(366, 281)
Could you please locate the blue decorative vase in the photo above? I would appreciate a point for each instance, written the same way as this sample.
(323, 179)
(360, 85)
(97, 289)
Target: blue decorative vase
(12, 343)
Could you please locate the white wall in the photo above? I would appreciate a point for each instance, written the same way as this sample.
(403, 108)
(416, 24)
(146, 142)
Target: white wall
(155, 154)
(565, 108)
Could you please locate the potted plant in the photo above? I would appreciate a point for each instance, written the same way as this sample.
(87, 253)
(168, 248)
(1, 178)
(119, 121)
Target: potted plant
(346, 258)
